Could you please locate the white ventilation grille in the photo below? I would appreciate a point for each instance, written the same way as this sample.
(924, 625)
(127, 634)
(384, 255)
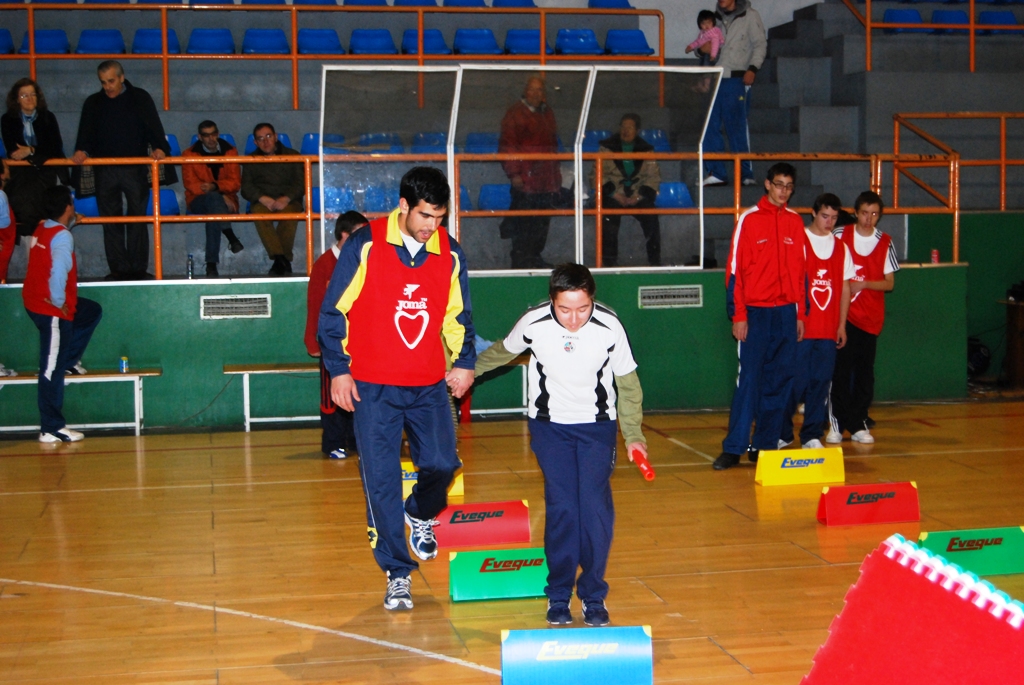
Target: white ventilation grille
(234, 307)
(671, 296)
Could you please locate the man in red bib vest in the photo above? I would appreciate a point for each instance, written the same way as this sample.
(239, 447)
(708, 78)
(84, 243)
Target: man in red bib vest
(853, 381)
(65, 320)
(398, 298)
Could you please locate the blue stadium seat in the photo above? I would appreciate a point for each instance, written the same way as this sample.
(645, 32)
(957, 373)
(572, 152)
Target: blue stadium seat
(172, 140)
(48, 42)
(950, 17)
(339, 200)
(672, 195)
(577, 42)
(314, 2)
(87, 206)
(494, 197)
(433, 43)
(465, 204)
(592, 139)
(894, 16)
(609, 5)
(392, 140)
(6, 42)
(168, 203)
(524, 42)
(372, 42)
(250, 142)
(378, 199)
(1001, 17)
(627, 42)
(476, 42)
(226, 136)
(512, 3)
(431, 143)
(211, 42)
(656, 137)
(310, 144)
(100, 42)
(481, 143)
(265, 42)
(262, 2)
(415, 3)
(150, 42)
(320, 42)
(463, 3)
(365, 3)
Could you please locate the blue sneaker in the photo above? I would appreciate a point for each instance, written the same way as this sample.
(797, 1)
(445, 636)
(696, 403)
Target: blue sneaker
(595, 613)
(558, 613)
(338, 454)
(398, 594)
(421, 537)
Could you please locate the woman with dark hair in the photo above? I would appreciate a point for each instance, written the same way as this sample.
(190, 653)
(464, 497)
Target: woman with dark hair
(30, 133)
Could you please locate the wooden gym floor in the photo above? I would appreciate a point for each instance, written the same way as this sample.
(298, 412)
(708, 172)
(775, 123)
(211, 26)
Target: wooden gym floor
(232, 558)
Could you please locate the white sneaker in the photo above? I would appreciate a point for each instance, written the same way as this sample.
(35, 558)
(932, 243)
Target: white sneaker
(834, 437)
(749, 182)
(783, 444)
(863, 436)
(63, 435)
(713, 180)
(813, 444)
(7, 373)
(76, 370)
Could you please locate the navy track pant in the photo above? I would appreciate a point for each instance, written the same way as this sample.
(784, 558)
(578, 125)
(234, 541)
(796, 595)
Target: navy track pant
(379, 419)
(335, 421)
(577, 461)
(61, 345)
(812, 380)
(766, 379)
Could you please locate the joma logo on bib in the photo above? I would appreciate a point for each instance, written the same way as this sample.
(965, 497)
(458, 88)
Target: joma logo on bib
(419, 308)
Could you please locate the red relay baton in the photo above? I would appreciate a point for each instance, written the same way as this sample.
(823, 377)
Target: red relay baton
(645, 466)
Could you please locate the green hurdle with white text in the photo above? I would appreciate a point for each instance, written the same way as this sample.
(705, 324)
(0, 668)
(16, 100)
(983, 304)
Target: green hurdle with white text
(497, 574)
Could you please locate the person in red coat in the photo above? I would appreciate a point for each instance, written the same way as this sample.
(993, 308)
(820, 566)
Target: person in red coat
(338, 439)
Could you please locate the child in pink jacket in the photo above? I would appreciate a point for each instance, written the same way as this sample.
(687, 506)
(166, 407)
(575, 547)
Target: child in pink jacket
(709, 33)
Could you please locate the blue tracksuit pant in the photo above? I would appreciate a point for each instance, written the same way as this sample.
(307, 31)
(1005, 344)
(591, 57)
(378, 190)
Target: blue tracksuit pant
(61, 345)
(812, 380)
(730, 109)
(766, 379)
(577, 461)
(379, 419)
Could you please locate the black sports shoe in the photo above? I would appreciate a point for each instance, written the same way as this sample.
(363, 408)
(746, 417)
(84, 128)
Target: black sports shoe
(595, 613)
(277, 268)
(211, 270)
(726, 461)
(752, 455)
(558, 613)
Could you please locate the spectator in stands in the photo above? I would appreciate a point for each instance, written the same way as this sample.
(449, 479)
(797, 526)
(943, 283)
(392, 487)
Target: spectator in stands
(65, 321)
(338, 439)
(121, 121)
(853, 381)
(529, 126)
(31, 133)
(213, 189)
(766, 300)
(274, 188)
(746, 44)
(710, 35)
(629, 184)
(8, 235)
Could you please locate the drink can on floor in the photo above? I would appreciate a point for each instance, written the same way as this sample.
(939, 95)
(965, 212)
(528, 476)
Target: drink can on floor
(935, 256)
(123, 365)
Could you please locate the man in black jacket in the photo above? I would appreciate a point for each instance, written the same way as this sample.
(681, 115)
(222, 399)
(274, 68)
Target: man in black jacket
(121, 121)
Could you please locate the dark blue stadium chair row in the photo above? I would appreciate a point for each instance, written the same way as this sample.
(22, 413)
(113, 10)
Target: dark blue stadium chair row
(593, 4)
(498, 197)
(326, 41)
(901, 16)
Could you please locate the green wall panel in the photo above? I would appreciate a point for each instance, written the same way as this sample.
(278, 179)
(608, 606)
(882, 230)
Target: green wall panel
(686, 357)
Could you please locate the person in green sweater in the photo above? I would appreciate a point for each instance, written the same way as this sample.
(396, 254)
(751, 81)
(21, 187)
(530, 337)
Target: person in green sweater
(582, 377)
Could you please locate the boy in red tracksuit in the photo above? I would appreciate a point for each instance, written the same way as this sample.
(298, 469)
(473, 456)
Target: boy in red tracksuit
(337, 440)
(829, 268)
(764, 299)
(853, 381)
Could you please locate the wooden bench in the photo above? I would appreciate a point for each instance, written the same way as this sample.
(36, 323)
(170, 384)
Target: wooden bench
(134, 376)
(246, 370)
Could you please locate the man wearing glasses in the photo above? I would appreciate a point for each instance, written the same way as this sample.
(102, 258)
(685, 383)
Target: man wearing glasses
(274, 189)
(766, 301)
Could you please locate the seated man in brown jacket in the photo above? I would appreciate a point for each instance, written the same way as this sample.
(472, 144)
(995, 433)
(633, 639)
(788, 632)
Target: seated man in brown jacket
(627, 184)
(274, 188)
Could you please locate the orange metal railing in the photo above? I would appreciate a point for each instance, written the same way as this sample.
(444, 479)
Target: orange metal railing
(972, 27)
(295, 57)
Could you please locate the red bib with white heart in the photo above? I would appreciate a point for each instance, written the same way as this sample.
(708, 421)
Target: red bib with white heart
(395, 323)
(824, 291)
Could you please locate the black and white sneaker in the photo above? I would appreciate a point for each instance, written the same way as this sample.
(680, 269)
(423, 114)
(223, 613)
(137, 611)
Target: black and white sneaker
(595, 613)
(76, 370)
(421, 537)
(338, 454)
(398, 594)
(558, 613)
(62, 435)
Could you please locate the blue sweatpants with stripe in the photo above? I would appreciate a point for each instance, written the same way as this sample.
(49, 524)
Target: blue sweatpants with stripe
(577, 461)
(766, 379)
(380, 416)
(812, 380)
(61, 345)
